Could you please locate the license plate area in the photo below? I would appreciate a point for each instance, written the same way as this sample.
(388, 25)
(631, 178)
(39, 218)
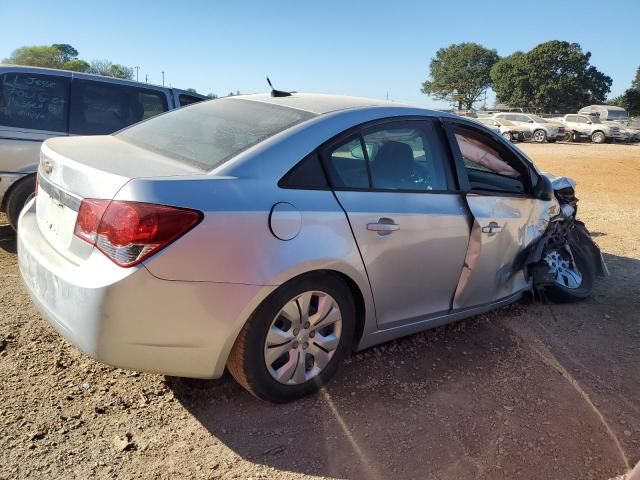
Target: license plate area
(55, 220)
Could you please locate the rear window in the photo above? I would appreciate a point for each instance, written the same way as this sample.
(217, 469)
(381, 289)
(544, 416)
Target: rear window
(188, 99)
(208, 134)
(34, 101)
(101, 108)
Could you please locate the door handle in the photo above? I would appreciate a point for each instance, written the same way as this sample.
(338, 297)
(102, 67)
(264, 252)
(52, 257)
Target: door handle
(384, 226)
(492, 228)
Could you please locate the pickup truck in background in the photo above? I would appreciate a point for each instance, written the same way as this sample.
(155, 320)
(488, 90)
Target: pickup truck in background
(40, 103)
(589, 126)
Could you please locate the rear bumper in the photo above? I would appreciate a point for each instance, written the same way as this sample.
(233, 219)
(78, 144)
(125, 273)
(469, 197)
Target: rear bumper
(129, 318)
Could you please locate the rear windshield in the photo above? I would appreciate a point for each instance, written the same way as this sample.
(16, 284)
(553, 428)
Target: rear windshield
(207, 134)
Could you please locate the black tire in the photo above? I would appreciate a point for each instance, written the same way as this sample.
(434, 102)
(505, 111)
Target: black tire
(17, 198)
(246, 361)
(507, 136)
(539, 136)
(561, 294)
(569, 137)
(551, 140)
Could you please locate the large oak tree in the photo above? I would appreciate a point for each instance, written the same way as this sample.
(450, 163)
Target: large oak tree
(554, 76)
(460, 73)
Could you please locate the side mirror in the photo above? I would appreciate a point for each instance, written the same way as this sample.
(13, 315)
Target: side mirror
(543, 189)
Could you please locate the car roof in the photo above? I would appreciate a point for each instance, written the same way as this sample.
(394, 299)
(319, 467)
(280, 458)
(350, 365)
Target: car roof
(320, 103)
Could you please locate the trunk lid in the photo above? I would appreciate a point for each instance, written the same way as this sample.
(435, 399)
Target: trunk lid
(72, 169)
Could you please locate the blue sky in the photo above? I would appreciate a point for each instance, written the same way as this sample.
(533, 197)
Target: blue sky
(364, 48)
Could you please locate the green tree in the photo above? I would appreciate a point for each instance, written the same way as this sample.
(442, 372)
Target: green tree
(67, 52)
(212, 95)
(36, 56)
(109, 69)
(75, 65)
(554, 76)
(460, 73)
(635, 84)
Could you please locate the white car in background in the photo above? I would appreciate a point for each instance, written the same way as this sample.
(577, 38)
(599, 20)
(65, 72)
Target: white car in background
(542, 130)
(509, 130)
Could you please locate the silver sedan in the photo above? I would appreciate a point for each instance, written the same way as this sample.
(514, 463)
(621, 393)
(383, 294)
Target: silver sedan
(274, 234)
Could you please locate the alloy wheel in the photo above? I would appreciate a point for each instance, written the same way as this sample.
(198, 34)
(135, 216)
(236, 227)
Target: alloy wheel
(563, 266)
(303, 337)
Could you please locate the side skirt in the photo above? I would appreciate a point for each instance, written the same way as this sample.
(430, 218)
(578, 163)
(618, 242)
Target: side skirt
(421, 324)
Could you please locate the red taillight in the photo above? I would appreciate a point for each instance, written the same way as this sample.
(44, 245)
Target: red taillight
(129, 232)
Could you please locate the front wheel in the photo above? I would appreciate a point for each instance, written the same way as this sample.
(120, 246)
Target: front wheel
(296, 339)
(574, 275)
(539, 136)
(598, 137)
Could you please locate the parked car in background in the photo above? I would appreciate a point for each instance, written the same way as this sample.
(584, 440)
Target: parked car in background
(506, 128)
(590, 126)
(40, 103)
(272, 235)
(617, 116)
(542, 130)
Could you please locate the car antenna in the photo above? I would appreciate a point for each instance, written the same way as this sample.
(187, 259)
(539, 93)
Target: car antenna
(277, 93)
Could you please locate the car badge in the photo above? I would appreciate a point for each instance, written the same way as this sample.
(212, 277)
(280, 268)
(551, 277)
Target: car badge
(47, 166)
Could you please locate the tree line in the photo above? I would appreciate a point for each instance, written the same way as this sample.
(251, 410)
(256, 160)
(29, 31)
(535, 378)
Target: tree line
(555, 76)
(65, 57)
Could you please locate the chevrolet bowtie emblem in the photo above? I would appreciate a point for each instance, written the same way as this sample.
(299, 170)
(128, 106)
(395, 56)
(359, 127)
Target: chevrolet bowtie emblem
(47, 167)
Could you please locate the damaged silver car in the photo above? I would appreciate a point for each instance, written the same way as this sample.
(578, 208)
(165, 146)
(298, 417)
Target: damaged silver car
(274, 234)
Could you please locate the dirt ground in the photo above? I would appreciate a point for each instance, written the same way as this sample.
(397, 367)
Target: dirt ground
(530, 391)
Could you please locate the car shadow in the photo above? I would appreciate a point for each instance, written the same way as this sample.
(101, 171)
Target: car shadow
(398, 410)
(7, 238)
(438, 404)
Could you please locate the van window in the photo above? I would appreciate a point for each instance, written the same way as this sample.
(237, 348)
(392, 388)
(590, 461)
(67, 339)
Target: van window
(34, 101)
(188, 99)
(101, 108)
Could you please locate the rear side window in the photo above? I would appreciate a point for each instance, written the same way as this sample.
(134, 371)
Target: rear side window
(208, 134)
(101, 108)
(33, 101)
(188, 99)
(307, 174)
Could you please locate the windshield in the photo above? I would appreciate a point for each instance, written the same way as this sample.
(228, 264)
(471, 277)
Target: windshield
(486, 121)
(537, 119)
(207, 134)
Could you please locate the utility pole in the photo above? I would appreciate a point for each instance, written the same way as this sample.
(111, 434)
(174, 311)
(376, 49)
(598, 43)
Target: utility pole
(163, 79)
(146, 78)
(137, 70)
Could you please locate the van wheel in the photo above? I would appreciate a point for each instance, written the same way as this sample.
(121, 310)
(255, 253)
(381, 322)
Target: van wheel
(294, 342)
(17, 199)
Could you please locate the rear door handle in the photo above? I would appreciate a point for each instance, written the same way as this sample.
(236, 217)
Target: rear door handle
(384, 226)
(492, 228)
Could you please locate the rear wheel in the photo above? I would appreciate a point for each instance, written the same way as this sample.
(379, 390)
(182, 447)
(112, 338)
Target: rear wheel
(539, 136)
(568, 137)
(574, 275)
(296, 339)
(507, 136)
(17, 198)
